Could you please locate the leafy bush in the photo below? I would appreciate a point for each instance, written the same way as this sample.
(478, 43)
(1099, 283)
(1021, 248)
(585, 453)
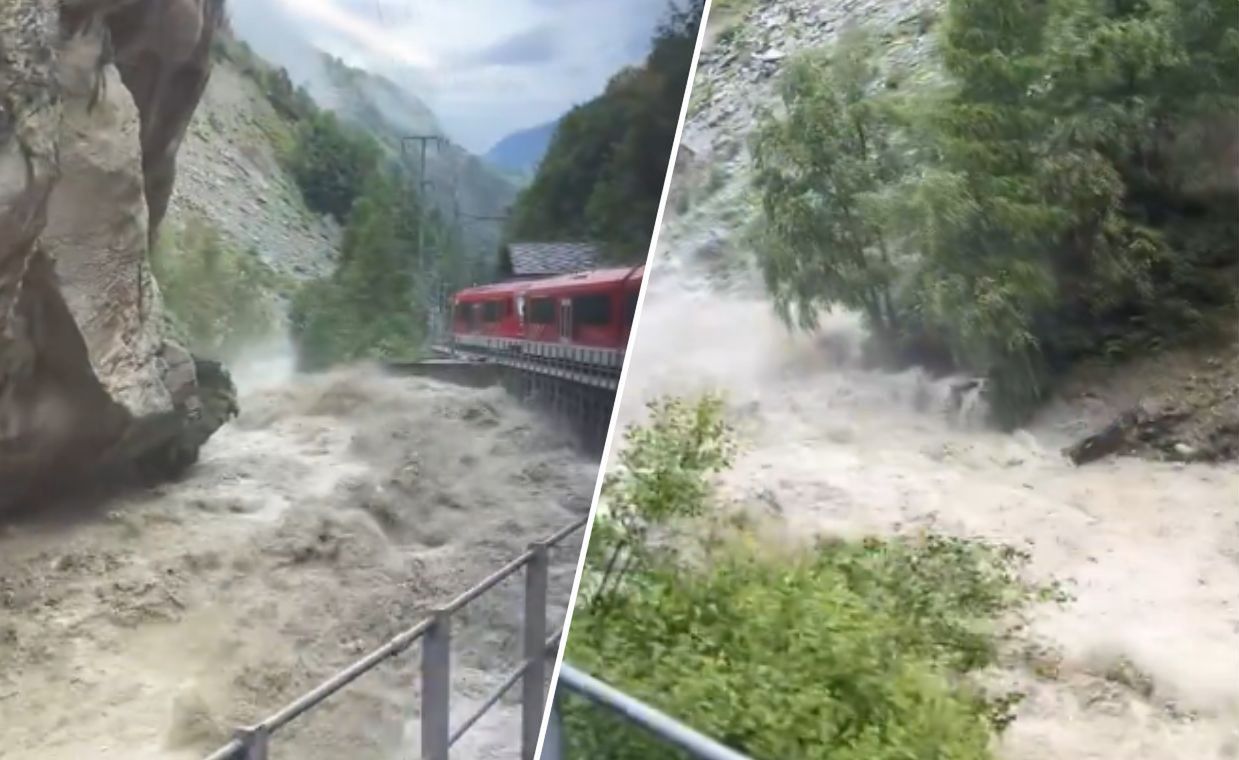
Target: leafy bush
(849, 650)
(661, 478)
(369, 307)
(1034, 209)
(331, 164)
(219, 296)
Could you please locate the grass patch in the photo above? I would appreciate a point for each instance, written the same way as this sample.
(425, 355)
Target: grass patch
(702, 94)
(726, 20)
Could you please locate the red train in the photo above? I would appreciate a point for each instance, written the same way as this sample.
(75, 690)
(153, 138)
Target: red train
(578, 320)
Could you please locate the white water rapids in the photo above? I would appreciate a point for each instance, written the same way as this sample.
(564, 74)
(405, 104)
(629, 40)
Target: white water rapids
(1150, 550)
(335, 512)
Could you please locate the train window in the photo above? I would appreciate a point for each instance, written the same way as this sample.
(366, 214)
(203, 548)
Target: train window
(540, 311)
(592, 310)
(492, 311)
(630, 308)
(466, 314)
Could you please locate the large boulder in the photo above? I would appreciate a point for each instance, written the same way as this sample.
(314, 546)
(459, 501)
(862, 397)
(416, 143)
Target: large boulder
(95, 97)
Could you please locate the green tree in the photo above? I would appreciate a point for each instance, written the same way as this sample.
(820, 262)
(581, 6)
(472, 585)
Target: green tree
(331, 164)
(979, 212)
(1056, 198)
(815, 168)
(369, 307)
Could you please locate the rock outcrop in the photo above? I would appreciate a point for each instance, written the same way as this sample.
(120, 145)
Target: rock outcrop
(95, 97)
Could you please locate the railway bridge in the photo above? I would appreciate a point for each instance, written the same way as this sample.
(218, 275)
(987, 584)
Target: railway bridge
(575, 385)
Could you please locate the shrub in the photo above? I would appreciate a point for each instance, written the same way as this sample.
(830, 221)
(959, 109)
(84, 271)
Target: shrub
(331, 164)
(218, 295)
(853, 650)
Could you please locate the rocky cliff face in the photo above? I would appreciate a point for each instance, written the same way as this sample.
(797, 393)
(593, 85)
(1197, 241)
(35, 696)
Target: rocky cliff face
(95, 97)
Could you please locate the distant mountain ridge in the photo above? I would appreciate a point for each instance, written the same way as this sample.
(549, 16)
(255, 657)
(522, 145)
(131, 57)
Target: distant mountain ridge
(521, 151)
(459, 181)
(388, 110)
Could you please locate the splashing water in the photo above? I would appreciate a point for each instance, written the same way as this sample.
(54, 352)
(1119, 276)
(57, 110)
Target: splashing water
(269, 364)
(1145, 661)
(334, 512)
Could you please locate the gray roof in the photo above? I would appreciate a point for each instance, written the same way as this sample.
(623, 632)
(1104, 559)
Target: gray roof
(551, 258)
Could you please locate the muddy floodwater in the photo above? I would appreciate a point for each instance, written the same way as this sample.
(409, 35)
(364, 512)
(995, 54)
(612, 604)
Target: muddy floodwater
(1145, 660)
(332, 514)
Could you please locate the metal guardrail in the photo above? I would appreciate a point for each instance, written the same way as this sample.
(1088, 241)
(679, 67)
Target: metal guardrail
(253, 742)
(657, 723)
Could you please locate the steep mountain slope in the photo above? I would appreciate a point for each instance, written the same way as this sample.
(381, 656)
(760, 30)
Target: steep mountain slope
(230, 174)
(459, 182)
(521, 151)
(603, 173)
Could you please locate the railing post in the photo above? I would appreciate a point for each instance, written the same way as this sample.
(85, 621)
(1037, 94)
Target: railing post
(533, 684)
(255, 743)
(437, 687)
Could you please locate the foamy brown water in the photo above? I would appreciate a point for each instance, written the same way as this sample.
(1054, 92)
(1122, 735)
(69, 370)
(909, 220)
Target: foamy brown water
(331, 515)
(1150, 551)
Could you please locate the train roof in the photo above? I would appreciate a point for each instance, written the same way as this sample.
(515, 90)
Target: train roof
(586, 280)
(495, 289)
(560, 283)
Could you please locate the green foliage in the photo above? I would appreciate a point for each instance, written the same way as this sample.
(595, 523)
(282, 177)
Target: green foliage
(662, 477)
(218, 295)
(377, 302)
(331, 164)
(292, 102)
(848, 650)
(814, 170)
(1037, 208)
(663, 466)
(602, 176)
(369, 308)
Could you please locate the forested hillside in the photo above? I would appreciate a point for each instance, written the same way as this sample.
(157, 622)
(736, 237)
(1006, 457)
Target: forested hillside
(602, 177)
(460, 185)
(1067, 191)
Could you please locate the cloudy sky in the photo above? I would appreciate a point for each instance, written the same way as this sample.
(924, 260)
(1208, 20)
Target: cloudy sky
(486, 67)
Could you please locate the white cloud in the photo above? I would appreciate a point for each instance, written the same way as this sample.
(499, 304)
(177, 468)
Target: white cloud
(358, 31)
(487, 67)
